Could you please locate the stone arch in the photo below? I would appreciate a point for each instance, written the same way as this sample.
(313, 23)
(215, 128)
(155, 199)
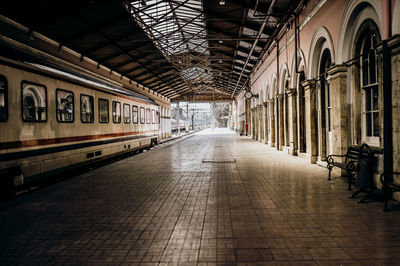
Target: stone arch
(396, 18)
(284, 76)
(321, 40)
(273, 87)
(301, 65)
(355, 13)
(261, 97)
(267, 92)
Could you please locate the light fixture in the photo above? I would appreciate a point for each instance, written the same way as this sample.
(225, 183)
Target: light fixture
(220, 61)
(222, 2)
(221, 41)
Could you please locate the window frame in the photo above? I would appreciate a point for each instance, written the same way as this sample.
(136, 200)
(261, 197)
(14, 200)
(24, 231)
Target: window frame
(137, 114)
(368, 33)
(112, 110)
(142, 119)
(148, 116)
(153, 116)
(22, 101)
(123, 113)
(73, 106)
(80, 104)
(5, 98)
(108, 110)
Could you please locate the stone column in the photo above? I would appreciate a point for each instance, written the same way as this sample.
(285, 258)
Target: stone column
(265, 108)
(311, 138)
(253, 123)
(271, 123)
(260, 122)
(280, 130)
(293, 149)
(337, 79)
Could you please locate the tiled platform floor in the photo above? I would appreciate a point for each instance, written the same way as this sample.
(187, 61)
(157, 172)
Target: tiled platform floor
(167, 207)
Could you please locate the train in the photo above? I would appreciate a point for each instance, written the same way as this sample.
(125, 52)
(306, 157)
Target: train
(55, 117)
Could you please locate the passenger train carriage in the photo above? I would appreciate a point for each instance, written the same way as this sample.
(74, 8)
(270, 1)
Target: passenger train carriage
(53, 117)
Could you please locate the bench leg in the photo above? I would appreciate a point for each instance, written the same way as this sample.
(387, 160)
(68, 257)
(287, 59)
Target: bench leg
(329, 176)
(350, 177)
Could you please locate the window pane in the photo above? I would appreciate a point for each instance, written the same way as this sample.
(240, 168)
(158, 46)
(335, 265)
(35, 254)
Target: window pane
(116, 112)
(142, 115)
(365, 72)
(375, 98)
(376, 124)
(127, 113)
(87, 115)
(157, 117)
(372, 67)
(3, 98)
(65, 106)
(148, 116)
(34, 103)
(135, 114)
(368, 122)
(103, 110)
(367, 99)
(153, 115)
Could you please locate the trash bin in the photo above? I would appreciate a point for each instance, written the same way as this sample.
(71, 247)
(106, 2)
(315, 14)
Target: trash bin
(365, 173)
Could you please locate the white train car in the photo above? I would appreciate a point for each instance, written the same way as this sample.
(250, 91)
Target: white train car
(53, 118)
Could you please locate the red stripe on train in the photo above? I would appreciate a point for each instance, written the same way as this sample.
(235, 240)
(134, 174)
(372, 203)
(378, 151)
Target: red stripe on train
(41, 142)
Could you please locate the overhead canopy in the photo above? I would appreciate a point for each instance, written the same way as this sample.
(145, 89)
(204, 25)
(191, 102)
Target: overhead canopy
(182, 49)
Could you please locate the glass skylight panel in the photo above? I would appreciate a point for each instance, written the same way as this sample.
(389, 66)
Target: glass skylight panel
(176, 28)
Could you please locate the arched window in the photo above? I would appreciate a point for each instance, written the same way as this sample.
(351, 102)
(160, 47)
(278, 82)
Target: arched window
(366, 43)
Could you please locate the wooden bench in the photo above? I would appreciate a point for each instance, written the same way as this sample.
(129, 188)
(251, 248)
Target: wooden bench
(351, 160)
(389, 186)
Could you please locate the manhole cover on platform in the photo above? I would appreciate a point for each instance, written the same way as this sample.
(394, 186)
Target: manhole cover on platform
(219, 161)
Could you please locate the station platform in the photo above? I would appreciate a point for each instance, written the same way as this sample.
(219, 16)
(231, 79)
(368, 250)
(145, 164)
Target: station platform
(209, 198)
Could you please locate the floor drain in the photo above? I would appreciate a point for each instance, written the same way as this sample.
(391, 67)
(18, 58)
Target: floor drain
(219, 161)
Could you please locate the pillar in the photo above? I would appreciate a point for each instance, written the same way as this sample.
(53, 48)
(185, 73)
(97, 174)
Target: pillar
(293, 149)
(280, 125)
(271, 123)
(311, 136)
(337, 79)
(265, 113)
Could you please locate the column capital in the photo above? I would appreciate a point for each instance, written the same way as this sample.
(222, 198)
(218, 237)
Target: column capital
(309, 84)
(338, 71)
(291, 91)
(271, 100)
(280, 96)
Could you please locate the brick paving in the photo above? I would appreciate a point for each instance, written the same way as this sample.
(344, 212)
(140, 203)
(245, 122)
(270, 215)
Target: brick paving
(244, 204)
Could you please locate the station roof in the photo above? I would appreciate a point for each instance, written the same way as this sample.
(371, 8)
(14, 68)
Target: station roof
(182, 49)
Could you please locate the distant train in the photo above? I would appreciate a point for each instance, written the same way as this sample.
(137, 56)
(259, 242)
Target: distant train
(54, 117)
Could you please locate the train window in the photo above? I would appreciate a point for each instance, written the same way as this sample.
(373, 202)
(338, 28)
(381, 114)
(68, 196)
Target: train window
(34, 102)
(157, 117)
(134, 114)
(87, 114)
(127, 113)
(148, 116)
(103, 110)
(153, 115)
(116, 112)
(65, 106)
(3, 99)
(142, 115)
